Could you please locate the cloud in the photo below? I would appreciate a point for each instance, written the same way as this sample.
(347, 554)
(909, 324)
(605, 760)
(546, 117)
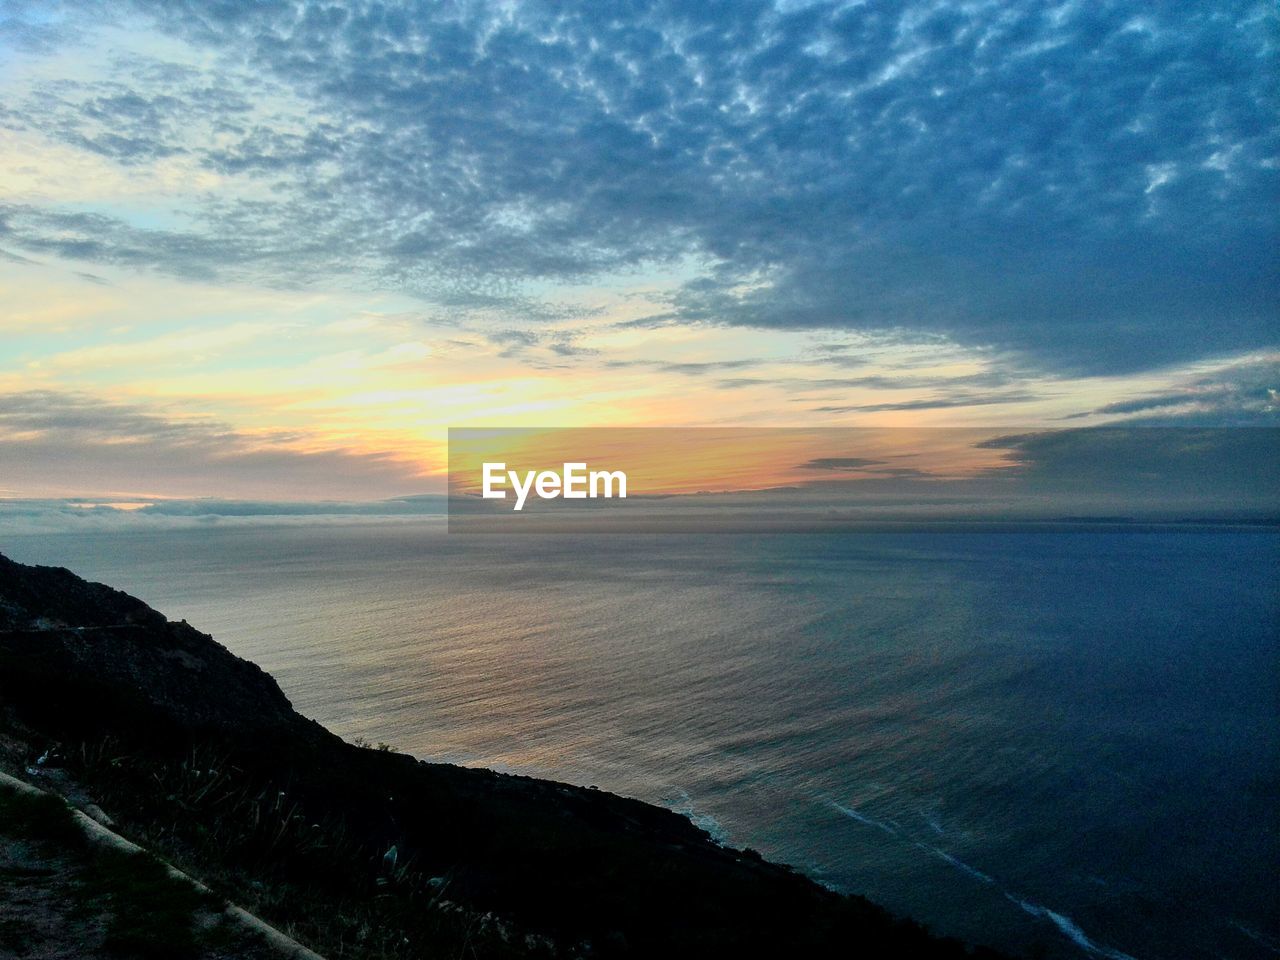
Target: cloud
(839, 463)
(103, 239)
(15, 258)
(1235, 468)
(988, 378)
(538, 349)
(67, 443)
(1090, 185)
(935, 403)
(1246, 393)
(695, 368)
(869, 471)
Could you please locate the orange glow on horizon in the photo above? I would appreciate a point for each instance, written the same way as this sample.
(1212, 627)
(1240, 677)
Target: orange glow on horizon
(674, 461)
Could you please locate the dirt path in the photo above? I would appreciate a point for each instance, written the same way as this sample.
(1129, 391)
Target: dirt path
(71, 889)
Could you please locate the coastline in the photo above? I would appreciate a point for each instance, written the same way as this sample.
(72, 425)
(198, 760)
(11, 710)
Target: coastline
(195, 752)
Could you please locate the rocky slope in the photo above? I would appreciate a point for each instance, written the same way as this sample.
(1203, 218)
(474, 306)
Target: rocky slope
(363, 852)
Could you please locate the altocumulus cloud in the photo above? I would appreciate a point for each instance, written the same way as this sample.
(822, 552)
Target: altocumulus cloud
(1091, 185)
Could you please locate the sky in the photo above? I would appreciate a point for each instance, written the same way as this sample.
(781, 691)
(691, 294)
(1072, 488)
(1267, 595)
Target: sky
(275, 250)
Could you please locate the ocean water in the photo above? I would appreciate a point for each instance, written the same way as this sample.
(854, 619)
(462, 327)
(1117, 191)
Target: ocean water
(1063, 743)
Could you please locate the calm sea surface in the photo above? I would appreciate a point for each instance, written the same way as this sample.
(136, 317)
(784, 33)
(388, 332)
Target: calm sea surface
(1063, 740)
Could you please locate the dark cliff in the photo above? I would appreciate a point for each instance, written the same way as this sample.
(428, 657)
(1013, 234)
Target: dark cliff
(368, 852)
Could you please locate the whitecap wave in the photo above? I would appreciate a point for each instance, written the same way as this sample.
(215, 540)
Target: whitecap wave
(1066, 926)
(1070, 930)
(958, 863)
(682, 804)
(853, 813)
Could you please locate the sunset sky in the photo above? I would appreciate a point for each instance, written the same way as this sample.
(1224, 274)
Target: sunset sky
(274, 250)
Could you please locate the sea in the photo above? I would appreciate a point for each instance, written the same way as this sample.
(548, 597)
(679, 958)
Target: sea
(1063, 744)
